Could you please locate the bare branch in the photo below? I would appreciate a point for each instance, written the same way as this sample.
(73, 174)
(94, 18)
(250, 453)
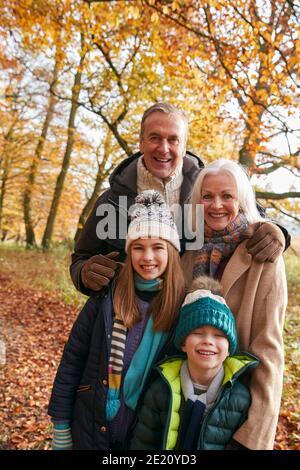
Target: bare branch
(134, 53)
(265, 40)
(276, 196)
(285, 213)
(177, 21)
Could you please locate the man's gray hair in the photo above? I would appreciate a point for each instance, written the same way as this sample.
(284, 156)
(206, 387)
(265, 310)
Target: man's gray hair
(166, 108)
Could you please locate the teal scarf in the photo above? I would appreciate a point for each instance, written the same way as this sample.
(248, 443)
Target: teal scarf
(141, 363)
(145, 355)
(143, 285)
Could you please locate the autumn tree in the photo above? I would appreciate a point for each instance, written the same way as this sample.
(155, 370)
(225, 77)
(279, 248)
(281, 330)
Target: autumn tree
(32, 173)
(250, 49)
(105, 165)
(231, 65)
(68, 151)
(15, 141)
(30, 26)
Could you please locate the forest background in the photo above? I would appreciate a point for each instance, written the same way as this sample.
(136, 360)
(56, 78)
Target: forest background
(76, 76)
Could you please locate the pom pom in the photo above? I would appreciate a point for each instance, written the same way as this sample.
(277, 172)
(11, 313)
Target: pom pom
(206, 283)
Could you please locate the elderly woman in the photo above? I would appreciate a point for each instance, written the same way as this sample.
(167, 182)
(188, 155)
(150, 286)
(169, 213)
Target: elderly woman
(255, 292)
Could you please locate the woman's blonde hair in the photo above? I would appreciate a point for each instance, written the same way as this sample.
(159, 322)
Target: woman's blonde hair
(164, 307)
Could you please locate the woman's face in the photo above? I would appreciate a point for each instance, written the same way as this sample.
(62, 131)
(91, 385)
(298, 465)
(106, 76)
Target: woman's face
(149, 257)
(220, 199)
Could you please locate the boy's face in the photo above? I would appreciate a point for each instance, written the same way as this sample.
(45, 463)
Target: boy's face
(206, 348)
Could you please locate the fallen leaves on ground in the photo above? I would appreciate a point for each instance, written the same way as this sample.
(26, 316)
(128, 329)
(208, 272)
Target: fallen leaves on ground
(34, 326)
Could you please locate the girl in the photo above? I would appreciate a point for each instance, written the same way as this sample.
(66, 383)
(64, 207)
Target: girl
(116, 338)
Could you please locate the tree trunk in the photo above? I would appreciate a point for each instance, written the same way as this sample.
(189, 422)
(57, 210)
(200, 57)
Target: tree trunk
(4, 235)
(3, 187)
(5, 163)
(27, 197)
(101, 177)
(89, 205)
(67, 156)
(244, 154)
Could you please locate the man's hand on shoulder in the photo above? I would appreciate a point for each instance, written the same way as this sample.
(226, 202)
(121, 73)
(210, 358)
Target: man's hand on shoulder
(99, 270)
(266, 242)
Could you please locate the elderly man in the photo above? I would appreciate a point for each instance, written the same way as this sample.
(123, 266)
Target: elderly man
(162, 164)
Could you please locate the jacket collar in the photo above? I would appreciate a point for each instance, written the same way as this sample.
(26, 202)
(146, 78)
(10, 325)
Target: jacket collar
(234, 366)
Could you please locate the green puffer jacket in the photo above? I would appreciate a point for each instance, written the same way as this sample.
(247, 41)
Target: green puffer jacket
(159, 418)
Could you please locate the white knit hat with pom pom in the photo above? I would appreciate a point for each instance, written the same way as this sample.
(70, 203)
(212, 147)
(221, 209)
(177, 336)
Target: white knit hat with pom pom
(151, 217)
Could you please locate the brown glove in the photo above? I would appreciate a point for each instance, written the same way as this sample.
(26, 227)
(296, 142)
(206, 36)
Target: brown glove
(266, 242)
(99, 270)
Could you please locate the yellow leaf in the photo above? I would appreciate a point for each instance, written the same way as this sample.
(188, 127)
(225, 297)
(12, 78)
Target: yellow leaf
(135, 12)
(155, 17)
(288, 99)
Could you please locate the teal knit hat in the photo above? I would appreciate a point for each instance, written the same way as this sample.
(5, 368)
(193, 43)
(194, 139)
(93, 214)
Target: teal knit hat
(202, 308)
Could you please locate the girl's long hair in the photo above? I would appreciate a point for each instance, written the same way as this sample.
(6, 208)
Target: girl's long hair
(164, 307)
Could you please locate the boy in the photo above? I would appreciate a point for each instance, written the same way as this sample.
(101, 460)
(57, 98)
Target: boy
(197, 403)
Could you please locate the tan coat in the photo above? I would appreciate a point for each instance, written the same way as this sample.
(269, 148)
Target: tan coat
(257, 295)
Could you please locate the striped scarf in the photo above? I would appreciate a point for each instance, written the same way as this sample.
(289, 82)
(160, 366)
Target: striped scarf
(219, 246)
(115, 367)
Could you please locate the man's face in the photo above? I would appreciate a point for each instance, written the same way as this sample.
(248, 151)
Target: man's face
(163, 143)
